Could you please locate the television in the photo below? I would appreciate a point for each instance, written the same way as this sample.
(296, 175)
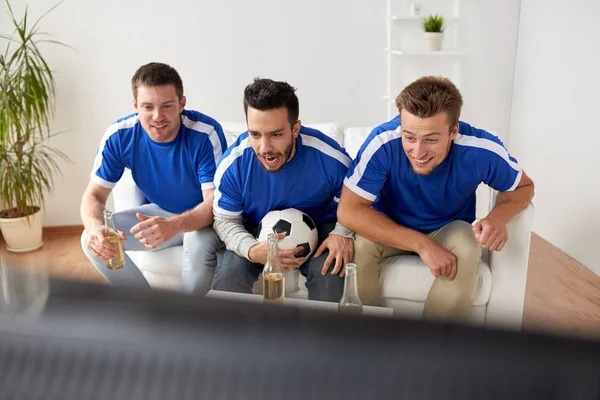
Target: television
(99, 342)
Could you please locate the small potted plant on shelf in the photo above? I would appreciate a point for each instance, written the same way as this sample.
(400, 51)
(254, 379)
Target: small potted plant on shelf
(27, 162)
(433, 26)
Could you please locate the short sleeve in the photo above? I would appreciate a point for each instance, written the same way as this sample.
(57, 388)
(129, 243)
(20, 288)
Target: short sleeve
(108, 165)
(369, 170)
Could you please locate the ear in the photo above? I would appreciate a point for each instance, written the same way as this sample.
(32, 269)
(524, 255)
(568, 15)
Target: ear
(182, 103)
(454, 132)
(296, 129)
(135, 104)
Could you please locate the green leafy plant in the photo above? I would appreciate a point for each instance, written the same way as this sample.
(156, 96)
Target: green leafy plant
(433, 23)
(27, 95)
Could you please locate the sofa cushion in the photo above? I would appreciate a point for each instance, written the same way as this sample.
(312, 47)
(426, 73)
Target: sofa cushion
(166, 261)
(408, 278)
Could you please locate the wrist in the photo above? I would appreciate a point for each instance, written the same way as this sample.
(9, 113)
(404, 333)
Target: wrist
(176, 223)
(422, 243)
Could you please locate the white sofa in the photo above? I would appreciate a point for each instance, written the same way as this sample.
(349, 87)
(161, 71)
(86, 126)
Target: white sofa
(499, 292)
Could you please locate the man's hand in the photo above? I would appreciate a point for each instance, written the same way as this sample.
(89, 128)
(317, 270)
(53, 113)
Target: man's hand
(99, 245)
(258, 254)
(153, 231)
(440, 261)
(491, 234)
(340, 248)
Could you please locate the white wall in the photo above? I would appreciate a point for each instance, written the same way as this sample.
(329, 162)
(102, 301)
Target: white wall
(331, 50)
(553, 124)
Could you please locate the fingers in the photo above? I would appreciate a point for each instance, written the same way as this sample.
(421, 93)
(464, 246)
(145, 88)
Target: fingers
(477, 230)
(453, 270)
(150, 239)
(141, 216)
(146, 222)
(321, 249)
(495, 244)
(122, 235)
(338, 265)
(101, 248)
(502, 244)
(149, 231)
(290, 262)
(326, 264)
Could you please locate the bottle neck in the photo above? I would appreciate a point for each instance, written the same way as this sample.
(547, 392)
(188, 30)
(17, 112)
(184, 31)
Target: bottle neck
(273, 264)
(350, 284)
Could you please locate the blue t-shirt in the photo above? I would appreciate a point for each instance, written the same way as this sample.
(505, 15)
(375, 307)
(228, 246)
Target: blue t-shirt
(171, 175)
(382, 173)
(310, 182)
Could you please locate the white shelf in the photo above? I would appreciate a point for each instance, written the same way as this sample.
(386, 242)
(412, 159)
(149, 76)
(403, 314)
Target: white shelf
(418, 18)
(426, 53)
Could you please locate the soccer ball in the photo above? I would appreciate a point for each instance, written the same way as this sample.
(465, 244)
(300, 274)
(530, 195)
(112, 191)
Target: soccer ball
(299, 228)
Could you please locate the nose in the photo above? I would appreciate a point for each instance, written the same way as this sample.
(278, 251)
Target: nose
(157, 115)
(419, 150)
(265, 145)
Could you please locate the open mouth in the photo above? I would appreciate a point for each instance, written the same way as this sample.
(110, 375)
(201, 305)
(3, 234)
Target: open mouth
(271, 161)
(422, 162)
(159, 128)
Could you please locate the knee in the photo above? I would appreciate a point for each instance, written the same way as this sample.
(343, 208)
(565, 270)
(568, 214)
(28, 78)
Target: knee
(200, 242)
(364, 245)
(462, 242)
(84, 241)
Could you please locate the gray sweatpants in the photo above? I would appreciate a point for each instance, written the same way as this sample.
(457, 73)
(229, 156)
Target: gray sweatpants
(199, 253)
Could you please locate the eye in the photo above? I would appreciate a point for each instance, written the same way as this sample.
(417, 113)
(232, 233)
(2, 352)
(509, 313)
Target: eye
(409, 138)
(168, 106)
(276, 135)
(430, 141)
(254, 134)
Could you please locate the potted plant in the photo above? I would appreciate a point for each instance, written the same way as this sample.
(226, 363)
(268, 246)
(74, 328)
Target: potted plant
(433, 26)
(27, 162)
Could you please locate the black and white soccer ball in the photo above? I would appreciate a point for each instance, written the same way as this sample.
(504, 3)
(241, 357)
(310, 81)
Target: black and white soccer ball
(299, 228)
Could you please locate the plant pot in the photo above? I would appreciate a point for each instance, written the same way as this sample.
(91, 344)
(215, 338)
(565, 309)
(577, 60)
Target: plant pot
(433, 41)
(21, 234)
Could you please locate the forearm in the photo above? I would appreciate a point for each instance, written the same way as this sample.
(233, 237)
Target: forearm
(509, 204)
(377, 227)
(199, 217)
(233, 233)
(92, 212)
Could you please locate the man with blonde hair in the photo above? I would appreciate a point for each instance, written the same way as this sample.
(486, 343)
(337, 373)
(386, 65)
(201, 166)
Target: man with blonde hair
(411, 190)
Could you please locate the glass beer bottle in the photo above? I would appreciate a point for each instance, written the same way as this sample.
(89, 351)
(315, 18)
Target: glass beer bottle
(118, 261)
(350, 302)
(273, 279)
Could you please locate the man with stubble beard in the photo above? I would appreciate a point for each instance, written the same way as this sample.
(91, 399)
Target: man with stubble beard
(278, 164)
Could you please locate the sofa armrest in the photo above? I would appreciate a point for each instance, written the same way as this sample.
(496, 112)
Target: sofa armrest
(126, 194)
(509, 274)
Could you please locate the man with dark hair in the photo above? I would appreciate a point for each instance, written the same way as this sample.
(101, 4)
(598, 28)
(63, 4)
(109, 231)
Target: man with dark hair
(172, 154)
(275, 165)
(411, 190)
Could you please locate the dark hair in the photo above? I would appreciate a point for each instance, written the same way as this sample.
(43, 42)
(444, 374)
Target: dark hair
(156, 74)
(266, 94)
(430, 95)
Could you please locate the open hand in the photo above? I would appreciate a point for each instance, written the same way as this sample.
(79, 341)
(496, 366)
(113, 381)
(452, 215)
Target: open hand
(340, 248)
(99, 245)
(153, 231)
(491, 234)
